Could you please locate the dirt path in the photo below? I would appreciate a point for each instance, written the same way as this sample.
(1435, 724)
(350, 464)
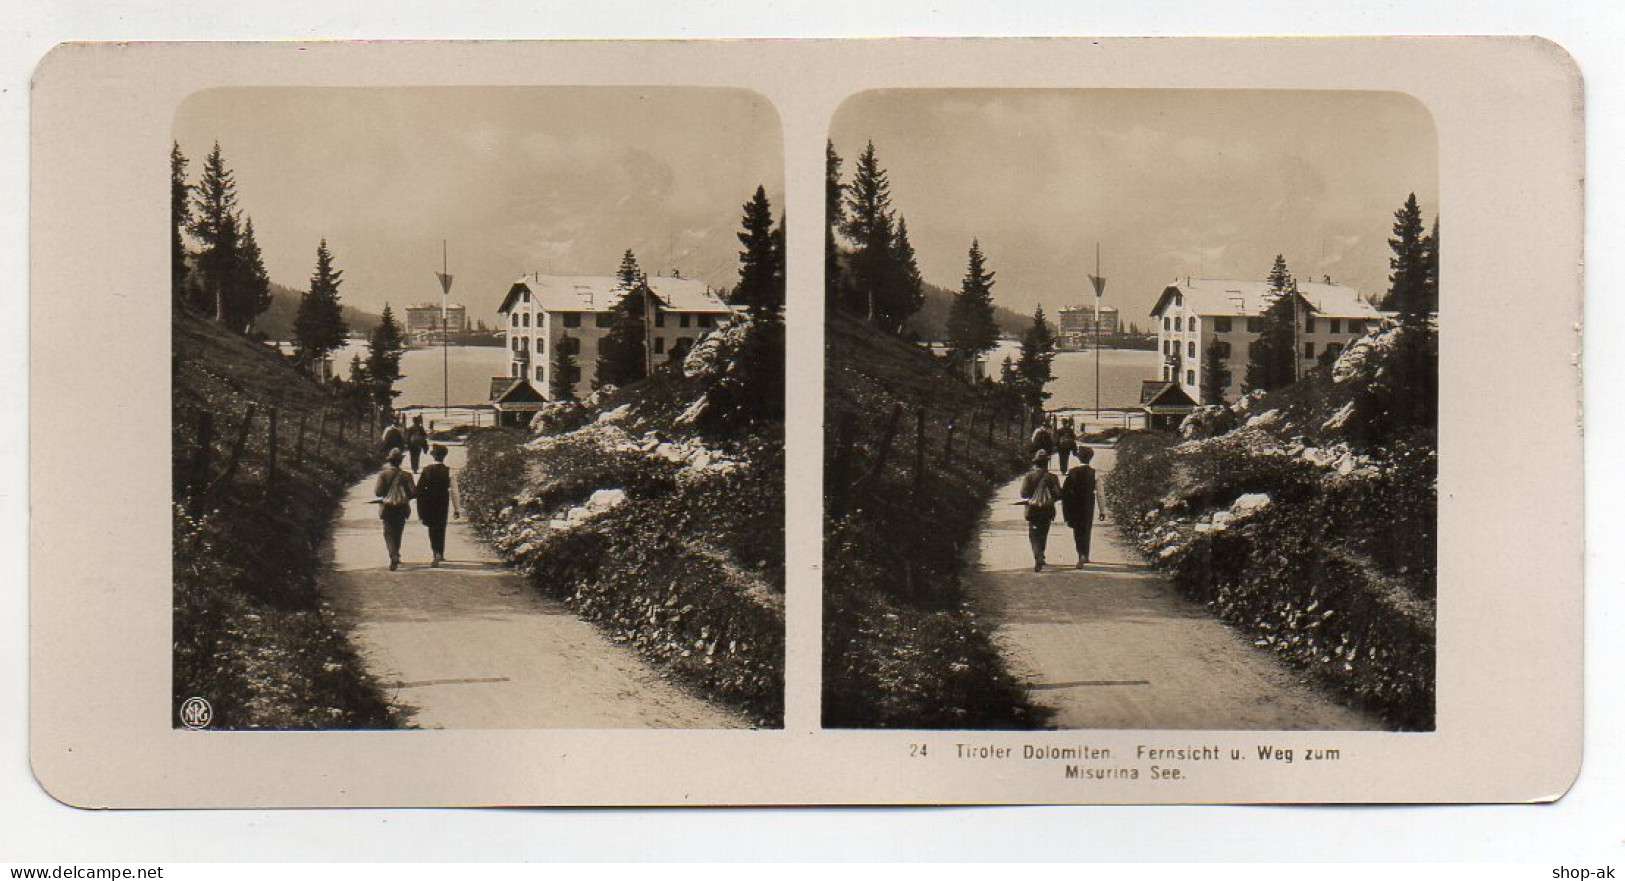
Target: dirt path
(1115, 645)
(470, 645)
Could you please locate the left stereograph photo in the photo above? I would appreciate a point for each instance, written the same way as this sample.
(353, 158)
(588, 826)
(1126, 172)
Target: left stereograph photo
(478, 408)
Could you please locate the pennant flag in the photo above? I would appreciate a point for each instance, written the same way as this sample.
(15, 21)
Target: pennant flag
(445, 282)
(1100, 285)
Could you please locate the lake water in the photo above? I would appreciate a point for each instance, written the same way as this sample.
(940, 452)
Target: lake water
(1121, 371)
(471, 369)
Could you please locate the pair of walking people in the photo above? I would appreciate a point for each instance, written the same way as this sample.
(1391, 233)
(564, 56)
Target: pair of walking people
(414, 440)
(1042, 492)
(395, 491)
(1063, 442)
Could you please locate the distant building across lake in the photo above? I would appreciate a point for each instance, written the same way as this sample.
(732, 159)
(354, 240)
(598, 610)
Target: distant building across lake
(543, 312)
(1076, 325)
(425, 318)
(1197, 314)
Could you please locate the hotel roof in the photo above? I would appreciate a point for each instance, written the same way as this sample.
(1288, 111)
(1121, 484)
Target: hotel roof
(1218, 296)
(601, 293)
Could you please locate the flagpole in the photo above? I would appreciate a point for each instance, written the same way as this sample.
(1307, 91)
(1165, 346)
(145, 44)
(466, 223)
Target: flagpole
(445, 350)
(1099, 289)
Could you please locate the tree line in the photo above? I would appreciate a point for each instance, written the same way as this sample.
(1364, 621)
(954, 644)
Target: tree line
(870, 273)
(221, 276)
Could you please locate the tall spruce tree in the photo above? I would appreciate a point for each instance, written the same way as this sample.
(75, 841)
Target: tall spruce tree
(906, 293)
(251, 287)
(623, 352)
(629, 273)
(834, 223)
(868, 226)
(214, 224)
(318, 326)
(1430, 287)
(1272, 357)
(384, 348)
(1409, 265)
(760, 288)
(1213, 384)
(180, 218)
(1035, 367)
(972, 328)
(562, 383)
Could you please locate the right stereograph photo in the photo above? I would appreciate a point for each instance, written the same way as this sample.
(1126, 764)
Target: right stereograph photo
(1131, 410)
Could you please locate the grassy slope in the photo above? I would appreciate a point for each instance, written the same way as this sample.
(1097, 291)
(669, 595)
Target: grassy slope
(690, 572)
(252, 634)
(901, 646)
(1337, 573)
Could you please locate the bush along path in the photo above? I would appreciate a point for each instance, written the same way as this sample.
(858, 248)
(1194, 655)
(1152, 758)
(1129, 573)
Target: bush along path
(1116, 645)
(469, 645)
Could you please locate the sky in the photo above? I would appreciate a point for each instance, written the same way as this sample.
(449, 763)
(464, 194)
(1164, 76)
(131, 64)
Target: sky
(516, 180)
(1169, 183)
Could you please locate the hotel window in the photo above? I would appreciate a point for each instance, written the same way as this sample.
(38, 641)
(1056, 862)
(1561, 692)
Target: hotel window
(1179, 324)
(1253, 325)
(1190, 377)
(705, 320)
(539, 375)
(1333, 351)
(1167, 324)
(1356, 326)
(572, 319)
(660, 318)
(603, 319)
(526, 320)
(513, 319)
(541, 345)
(1221, 325)
(1309, 324)
(1308, 350)
(660, 345)
(1337, 325)
(682, 319)
(1190, 349)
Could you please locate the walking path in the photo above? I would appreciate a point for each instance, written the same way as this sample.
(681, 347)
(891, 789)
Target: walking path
(1115, 645)
(471, 645)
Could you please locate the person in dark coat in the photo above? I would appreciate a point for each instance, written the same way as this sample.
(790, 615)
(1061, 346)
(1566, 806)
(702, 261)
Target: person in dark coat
(1079, 501)
(1066, 443)
(393, 439)
(417, 441)
(1043, 441)
(1040, 490)
(435, 494)
(394, 491)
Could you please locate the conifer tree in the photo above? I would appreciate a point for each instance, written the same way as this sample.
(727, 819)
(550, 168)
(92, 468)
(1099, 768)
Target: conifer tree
(1272, 357)
(251, 286)
(1035, 366)
(384, 348)
(622, 353)
(180, 218)
(834, 222)
(972, 328)
(1407, 283)
(318, 326)
(868, 225)
(760, 288)
(1430, 284)
(1213, 385)
(629, 273)
(562, 384)
(214, 225)
(906, 292)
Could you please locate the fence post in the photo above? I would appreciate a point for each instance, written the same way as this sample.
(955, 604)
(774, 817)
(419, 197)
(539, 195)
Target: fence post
(321, 433)
(236, 452)
(948, 448)
(198, 478)
(990, 423)
(884, 451)
(270, 451)
(919, 449)
(299, 443)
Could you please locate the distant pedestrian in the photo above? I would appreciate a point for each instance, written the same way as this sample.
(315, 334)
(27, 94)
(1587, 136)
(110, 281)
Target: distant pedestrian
(435, 494)
(1042, 441)
(394, 491)
(393, 439)
(1040, 490)
(417, 441)
(1079, 501)
(1066, 443)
